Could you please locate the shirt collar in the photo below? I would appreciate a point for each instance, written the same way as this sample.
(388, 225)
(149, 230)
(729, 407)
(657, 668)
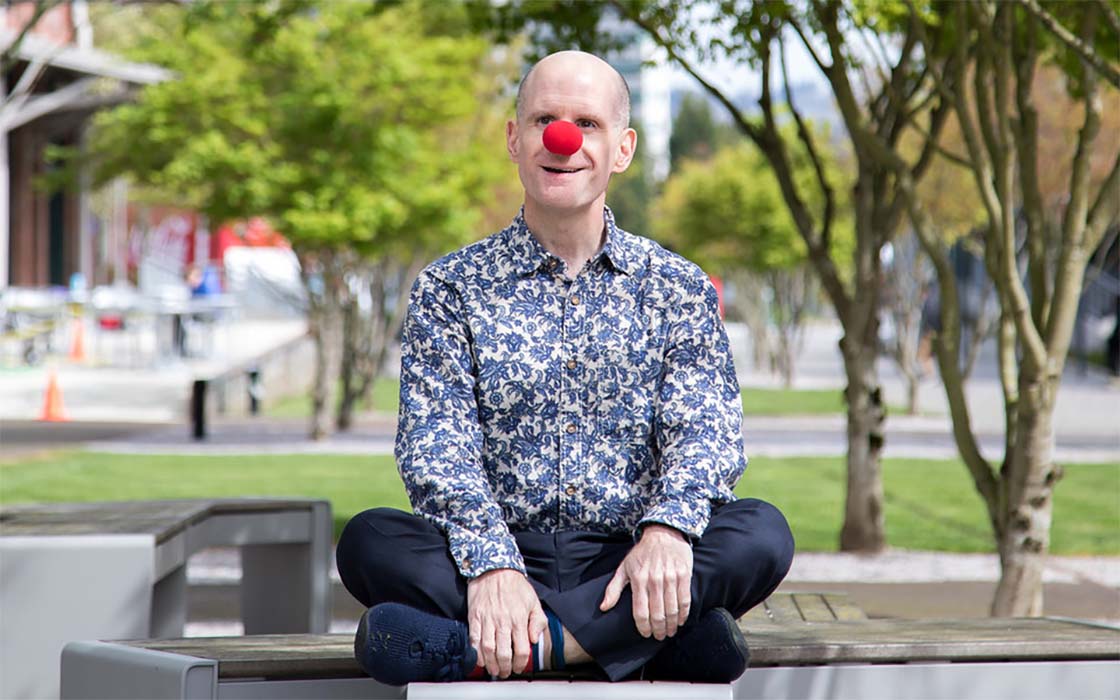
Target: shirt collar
(529, 255)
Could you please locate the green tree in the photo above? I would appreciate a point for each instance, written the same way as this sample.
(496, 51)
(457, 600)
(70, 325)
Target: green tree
(1037, 240)
(358, 129)
(696, 134)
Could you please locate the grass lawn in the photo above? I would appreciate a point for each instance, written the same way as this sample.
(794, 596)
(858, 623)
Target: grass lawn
(756, 402)
(930, 503)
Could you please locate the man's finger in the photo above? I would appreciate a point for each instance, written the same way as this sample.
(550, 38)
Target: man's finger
(504, 652)
(474, 629)
(489, 649)
(640, 593)
(684, 597)
(520, 635)
(538, 623)
(614, 590)
(657, 605)
(670, 604)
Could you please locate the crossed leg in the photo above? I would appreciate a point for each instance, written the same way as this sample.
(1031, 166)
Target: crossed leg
(386, 555)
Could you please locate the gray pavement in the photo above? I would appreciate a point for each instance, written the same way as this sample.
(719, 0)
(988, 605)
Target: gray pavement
(117, 384)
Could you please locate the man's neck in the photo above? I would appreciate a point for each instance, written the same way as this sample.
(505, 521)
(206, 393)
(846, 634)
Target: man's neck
(574, 236)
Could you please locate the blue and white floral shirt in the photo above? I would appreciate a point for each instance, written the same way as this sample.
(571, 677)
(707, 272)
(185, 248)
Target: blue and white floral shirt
(533, 402)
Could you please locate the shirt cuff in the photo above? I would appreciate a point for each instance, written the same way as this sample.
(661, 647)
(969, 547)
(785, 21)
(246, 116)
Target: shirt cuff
(474, 554)
(690, 517)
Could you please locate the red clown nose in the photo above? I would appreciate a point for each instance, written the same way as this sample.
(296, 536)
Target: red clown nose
(562, 138)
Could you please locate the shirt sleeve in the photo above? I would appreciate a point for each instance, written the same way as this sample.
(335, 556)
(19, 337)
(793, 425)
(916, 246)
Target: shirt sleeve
(700, 417)
(439, 439)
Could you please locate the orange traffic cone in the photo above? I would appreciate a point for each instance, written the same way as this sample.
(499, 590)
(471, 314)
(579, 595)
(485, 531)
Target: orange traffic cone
(77, 341)
(52, 402)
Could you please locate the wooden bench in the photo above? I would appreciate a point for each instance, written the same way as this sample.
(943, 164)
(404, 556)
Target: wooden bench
(118, 571)
(803, 645)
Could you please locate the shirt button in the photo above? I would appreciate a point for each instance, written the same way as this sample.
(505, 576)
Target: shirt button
(575, 301)
(571, 490)
(572, 364)
(572, 427)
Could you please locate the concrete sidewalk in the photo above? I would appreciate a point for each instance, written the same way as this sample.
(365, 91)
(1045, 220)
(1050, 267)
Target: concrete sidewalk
(1088, 403)
(157, 392)
(927, 437)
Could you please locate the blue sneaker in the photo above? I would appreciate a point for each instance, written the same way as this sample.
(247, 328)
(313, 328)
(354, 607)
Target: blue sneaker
(710, 650)
(397, 645)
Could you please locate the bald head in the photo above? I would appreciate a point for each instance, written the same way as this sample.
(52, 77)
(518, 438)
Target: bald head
(572, 61)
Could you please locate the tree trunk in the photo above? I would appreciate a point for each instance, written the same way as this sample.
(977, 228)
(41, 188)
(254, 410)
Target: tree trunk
(321, 280)
(349, 379)
(864, 523)
(913, 386)
(1030, 475)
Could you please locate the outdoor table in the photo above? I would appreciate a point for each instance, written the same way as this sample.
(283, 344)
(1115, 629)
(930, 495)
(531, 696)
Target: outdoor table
(71, 571)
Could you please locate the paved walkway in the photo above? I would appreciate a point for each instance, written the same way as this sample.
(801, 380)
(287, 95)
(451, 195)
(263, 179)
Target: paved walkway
(111, 387)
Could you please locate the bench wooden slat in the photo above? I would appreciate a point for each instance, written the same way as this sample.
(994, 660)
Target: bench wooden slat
(269, 656)
(783, 610)
(871, 641)
(813, 607)
(905, 641)
(843, 609)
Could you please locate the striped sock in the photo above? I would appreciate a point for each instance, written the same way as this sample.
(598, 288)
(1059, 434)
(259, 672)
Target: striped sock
(556, 633)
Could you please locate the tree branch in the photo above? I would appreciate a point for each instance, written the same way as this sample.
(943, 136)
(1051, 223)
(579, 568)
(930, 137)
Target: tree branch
(1077, 45)
(7, 58)
(774, 148)
(1027, 143)
(1033, 347)
(806, 137)
(1110, 15)
(809, 47)
(1071, 261)
(751, 130)
(1106, 209)
(948, 349)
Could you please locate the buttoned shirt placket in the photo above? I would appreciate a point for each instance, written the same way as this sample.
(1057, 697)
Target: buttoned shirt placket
(574, 428)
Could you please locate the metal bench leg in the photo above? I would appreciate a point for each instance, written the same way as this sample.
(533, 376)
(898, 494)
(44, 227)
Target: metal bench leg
(285, 588)
(169, 605)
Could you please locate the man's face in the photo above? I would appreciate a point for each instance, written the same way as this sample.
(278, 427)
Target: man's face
(579, 90)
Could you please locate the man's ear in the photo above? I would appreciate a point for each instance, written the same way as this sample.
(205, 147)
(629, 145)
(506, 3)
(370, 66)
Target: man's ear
(513, 143)
(625, 150)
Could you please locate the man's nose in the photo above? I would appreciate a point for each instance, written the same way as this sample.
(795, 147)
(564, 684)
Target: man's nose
(562, 137)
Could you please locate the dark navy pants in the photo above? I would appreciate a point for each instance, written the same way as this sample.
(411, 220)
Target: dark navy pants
(387, 555)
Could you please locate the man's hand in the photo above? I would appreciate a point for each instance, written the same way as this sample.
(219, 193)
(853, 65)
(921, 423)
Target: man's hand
(504, 616)
(659, 572)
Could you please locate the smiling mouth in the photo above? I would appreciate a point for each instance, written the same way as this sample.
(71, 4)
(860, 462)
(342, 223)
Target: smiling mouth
(561, 170)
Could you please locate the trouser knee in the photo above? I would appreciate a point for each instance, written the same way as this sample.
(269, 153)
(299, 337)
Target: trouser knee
(751, 551)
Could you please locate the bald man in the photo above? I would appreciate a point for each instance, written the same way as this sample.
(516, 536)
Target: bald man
(570, 433)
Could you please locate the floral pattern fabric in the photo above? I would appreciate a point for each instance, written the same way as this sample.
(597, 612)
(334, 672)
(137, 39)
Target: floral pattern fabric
(531, 401)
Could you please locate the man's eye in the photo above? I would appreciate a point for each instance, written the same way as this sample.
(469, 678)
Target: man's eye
(545, 120)
(585, 124)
